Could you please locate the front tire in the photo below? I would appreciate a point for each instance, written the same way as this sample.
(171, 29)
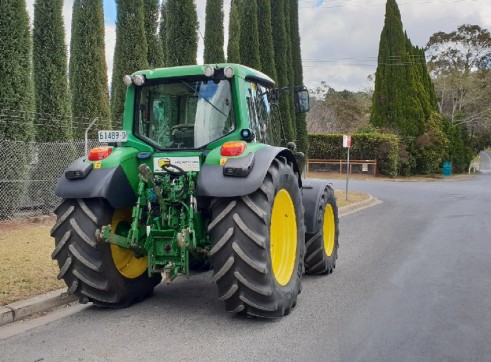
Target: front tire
(258, 244)
(97, 272)
(322, 246)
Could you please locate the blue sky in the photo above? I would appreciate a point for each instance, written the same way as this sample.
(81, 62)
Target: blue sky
(110, 11)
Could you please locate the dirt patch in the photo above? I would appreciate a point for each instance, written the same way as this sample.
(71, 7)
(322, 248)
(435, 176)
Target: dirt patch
(31, 222)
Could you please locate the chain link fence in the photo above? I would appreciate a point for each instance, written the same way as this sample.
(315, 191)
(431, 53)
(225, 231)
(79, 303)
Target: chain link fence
(28, 189)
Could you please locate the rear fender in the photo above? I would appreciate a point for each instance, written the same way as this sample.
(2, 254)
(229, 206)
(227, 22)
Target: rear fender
(212, 182)
(311, 192)
(107, 183)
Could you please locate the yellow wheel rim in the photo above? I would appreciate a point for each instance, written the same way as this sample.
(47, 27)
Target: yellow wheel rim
(124, 259)
(283, 237)
(329, 230)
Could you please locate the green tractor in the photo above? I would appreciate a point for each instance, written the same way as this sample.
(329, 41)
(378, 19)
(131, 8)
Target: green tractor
(192, 182)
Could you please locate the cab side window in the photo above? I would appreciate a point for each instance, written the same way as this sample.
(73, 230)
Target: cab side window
(259, 111)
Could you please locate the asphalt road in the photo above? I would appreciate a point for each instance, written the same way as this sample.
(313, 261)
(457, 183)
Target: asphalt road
(413, 283)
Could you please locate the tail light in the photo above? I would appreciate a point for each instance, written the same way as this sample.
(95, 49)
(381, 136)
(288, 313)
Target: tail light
(99, 153)
(233, 148)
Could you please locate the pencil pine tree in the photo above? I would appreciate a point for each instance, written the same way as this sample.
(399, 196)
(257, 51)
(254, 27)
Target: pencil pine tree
(214, 40)
(395, 102)
(280, 44)
(300, 119)
(233, 48)
(266, 49)
(249, 34)
(16, 103)
(53, 121)
(155, 55)
(163, 32)
(130, 53)
(52, 98)
(181, 32)
(87, 69)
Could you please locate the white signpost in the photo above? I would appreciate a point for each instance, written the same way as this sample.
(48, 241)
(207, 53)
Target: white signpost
(347, 144)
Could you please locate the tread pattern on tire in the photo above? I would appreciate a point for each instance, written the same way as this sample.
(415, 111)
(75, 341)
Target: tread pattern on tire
(239, 231)
(316, 259)
(86, 266)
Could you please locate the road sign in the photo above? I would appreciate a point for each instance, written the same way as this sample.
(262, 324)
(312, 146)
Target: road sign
(346, 141)
(347, 144)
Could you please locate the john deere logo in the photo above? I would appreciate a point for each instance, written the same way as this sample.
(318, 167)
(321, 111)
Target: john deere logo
(163, 162)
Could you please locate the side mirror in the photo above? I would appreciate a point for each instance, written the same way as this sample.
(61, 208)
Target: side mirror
(302, 100)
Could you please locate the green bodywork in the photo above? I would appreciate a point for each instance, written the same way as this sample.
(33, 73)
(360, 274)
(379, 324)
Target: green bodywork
(167, 224)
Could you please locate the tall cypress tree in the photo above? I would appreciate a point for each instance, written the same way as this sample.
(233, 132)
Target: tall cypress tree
(214, 32)
(266, 49)
(420, 60)
(16, 101)
(163, 32)
(300, 119)
(88, 70)
(53, 114)
(395, 102)
(249, 34)
(155, 55)
(182, 32)
(233, 48)
(130, 53)
(50, 66)
(280, 50)
(289, 66)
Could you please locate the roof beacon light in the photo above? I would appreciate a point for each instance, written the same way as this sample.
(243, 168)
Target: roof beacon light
(209, 71)
(139, 80)
(127, 80)
(228, 72)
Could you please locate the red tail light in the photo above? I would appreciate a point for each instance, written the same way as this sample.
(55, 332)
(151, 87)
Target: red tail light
(233, 148)
(99, 153)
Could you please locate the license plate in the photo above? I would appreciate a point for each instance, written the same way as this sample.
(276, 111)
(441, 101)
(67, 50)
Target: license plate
(113, 136)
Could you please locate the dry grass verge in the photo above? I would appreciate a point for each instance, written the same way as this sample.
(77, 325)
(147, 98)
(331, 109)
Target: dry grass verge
(26, 268)
(353, 197)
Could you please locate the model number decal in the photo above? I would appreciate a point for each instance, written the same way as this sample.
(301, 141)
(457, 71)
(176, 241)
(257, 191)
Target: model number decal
(186, 163)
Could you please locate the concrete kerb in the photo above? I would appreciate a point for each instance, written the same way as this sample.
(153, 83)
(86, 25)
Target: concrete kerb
(16, 311)
(349, 209)
(19, 310)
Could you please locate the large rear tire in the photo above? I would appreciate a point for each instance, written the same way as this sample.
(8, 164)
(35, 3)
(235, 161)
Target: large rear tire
(96, 272)
(258, 246)
(322, 246)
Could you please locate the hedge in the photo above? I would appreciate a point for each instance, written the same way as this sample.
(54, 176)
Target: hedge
(381, 147)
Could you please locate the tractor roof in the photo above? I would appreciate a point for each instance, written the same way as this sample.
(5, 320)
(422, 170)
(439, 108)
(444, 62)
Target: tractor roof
(189, 70)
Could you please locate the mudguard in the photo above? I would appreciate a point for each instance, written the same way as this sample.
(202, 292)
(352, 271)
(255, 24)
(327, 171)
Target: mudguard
(212, 182)
(107, 183)
(311, 192)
